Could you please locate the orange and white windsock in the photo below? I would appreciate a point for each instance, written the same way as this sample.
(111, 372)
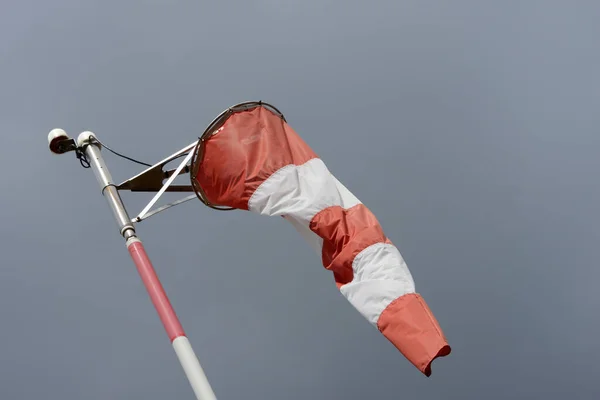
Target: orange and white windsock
(255, 161)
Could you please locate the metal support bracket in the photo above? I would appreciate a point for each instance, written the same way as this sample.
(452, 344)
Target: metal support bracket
(151, 180)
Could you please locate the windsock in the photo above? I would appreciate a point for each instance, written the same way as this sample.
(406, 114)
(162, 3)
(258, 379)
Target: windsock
(251, 159)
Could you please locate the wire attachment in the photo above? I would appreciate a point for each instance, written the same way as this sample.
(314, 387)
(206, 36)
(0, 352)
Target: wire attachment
(83, 160)
(95, 139)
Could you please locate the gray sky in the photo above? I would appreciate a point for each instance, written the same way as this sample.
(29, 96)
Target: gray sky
(470, 128)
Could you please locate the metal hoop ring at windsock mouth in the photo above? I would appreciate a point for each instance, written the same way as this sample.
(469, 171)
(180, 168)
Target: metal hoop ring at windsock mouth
(212, 128)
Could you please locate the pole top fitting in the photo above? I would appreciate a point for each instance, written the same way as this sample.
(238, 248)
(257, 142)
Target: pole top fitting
(86, 138)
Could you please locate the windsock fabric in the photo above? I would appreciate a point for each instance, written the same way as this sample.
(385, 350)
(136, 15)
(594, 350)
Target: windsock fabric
(255, 161)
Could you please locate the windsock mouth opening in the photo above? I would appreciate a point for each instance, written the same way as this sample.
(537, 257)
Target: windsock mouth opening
(212, 129)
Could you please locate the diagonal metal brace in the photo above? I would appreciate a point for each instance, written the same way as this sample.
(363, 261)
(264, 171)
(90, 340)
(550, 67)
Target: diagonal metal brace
(151, 179)
(164, 187)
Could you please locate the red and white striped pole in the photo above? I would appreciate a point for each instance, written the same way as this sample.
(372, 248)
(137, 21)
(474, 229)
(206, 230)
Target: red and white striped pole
(181, 344)
(167, 315)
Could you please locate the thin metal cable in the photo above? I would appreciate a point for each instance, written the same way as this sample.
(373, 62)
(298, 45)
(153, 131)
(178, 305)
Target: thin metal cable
(119, 154)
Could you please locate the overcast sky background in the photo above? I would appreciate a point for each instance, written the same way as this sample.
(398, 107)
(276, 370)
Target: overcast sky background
(470, 128)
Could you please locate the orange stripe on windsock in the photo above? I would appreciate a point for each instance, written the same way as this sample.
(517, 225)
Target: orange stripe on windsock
(245, 152)
(409, 324)
(257, 162)
(345, 233)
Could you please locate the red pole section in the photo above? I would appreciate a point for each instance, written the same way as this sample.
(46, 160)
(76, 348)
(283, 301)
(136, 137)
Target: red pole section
(155, 290)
